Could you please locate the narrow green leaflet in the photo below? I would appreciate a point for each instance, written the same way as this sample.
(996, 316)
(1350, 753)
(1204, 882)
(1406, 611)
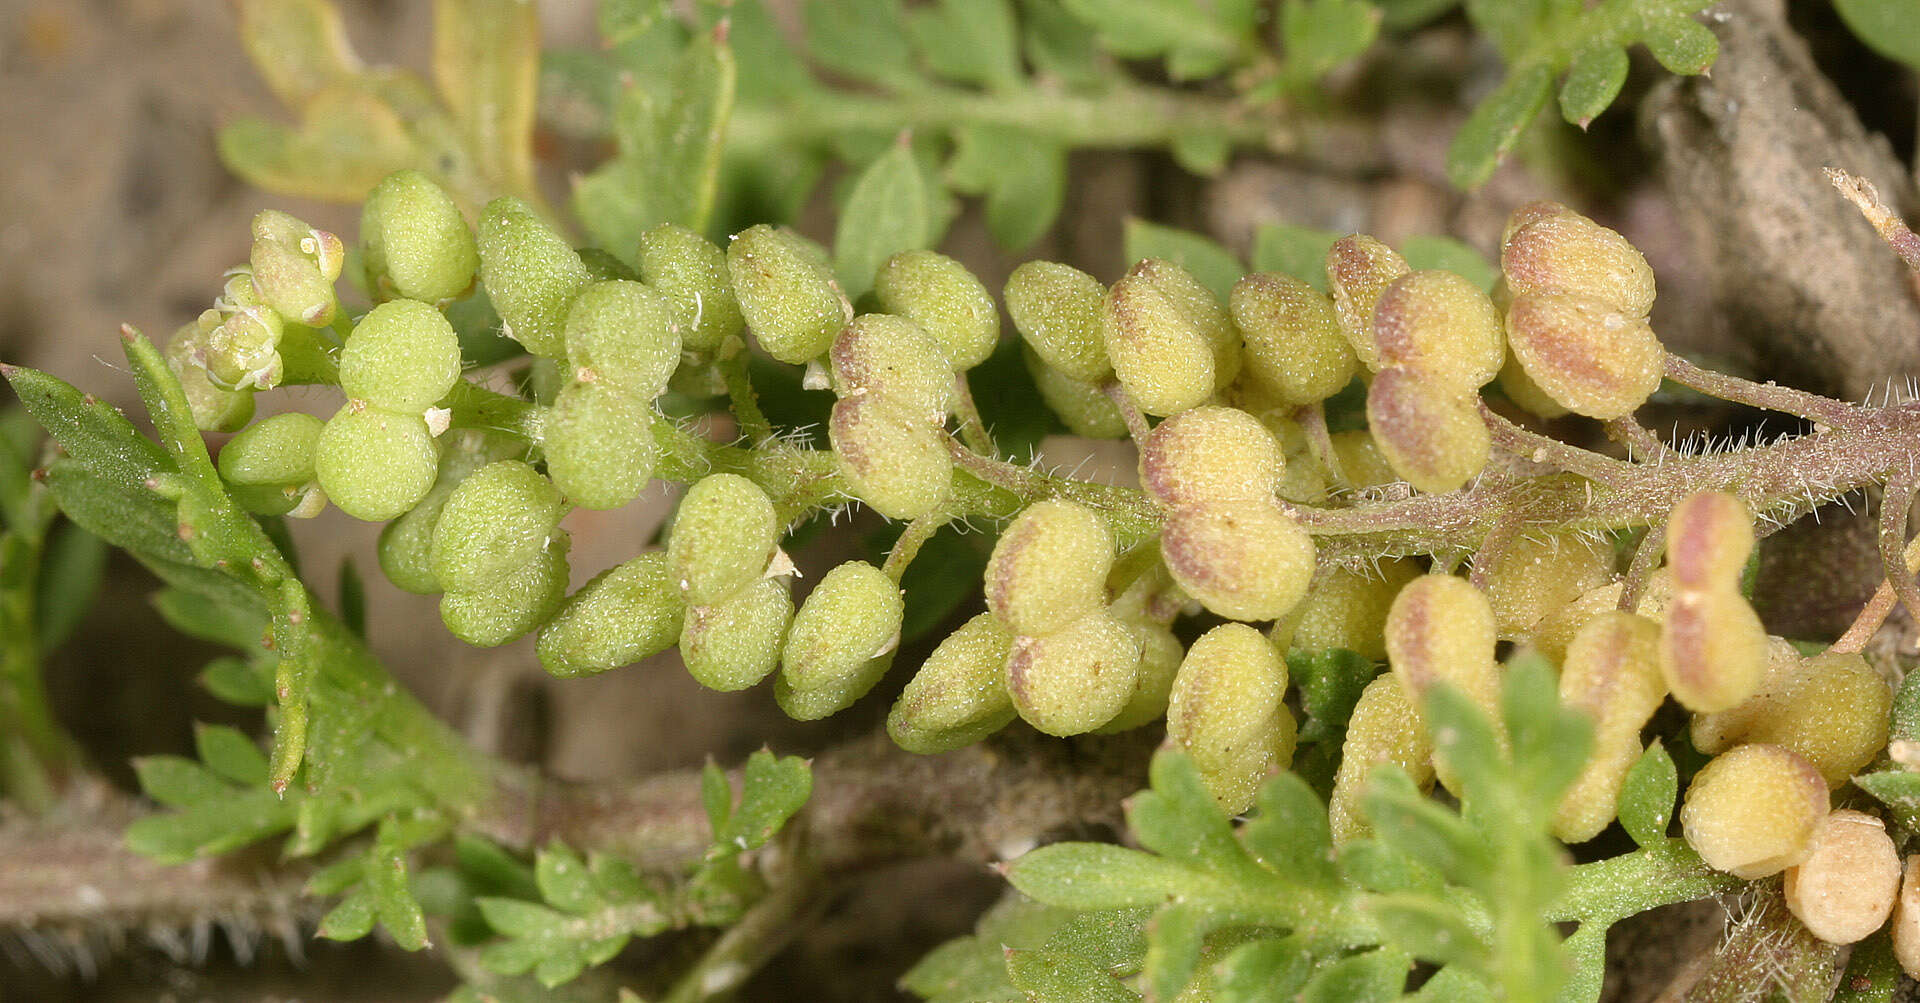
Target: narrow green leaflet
(1320, 35)
(1197, 40)
(772, 789)
(1593, 81)
(1330, 684)
(299, 46)
(1647, 796)
(623, 20)
(1495, 126)
(889, 210)
(864, 39)
(973, 969)
(1216, 267)
(1022, 175)
(71, 569)
(1886, 26)
(1431, 251)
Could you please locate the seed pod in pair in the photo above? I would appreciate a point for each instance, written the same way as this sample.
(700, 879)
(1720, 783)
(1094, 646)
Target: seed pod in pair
(1074, 679)
(1554, 632)
(1049, 568)
(1713, 649)
(1058, 311)
(1440, 325)
(959, 695)
(1359, 269)
(1611, 674)
(375, 464)
(1523, 391)
(414, 242)
(946, 300)
(1346, 609)
(270, 463)
(1242, 560)
(494, 524)
(402, 356)
(841, 641)
(1160, 656)
(599, 444)
(1832, 709)
(1385, 727)
(1440, 630)
(1754, 811)
(1226, 711)
(1210, 454)
(1295, 349)
(508, 607)
(406, 544)
(294, 266)
(787, 293)
(1709, 537)
(1082, 407)
(1846, 888)
(892, 459)
(1431, 434)
(735, 642)
(723, 538)
(1170, 342)
(531, 275)
(1534, 574)
(1906, 919)
(624, 614)
(1584, 356)
(692, 273)
(892, 357)
(622, 334)
(1551, 249)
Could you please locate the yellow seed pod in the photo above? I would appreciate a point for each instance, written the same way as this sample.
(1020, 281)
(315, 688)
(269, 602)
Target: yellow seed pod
(1050, 567)
(1242, 560)
(1524, 393)
(1709, 537)
(1057, 310)
(1586, 357)
(1361, 460)
(1359, 269)
(1440, 324)
(1210, 454)
(1713, 649)
(1082, 407)
(1223, 709)
(1160, 352)
(1385, 727)
(892, 459)
(1657, 596)
(1555, 631)
(879, 353)
(1212, 319)
(1440, 629)
(1557, 250)
(1754, 811)
(1906, 920)
(1722, 730)
(1304, 477)
(1075, 679)
(959, 695)
(1160, 656)
(1348, 609)
(1537, 574)
(1846, 888)
(1612, 674)
(1294, 347)
(1835, 712)
(1430, 433)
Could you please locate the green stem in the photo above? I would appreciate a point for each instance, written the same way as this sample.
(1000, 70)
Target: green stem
(475, 406)
(915, 536)
(746, 403)
(973, 431)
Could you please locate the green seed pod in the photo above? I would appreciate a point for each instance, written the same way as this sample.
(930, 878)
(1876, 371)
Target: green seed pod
(622, 333)
(1082, 407)
(1241, 560)
(1713, 649)
(1345, 609)
(893, 357)
(1709, 537)
(624, 614)
(530, 273)
(1160, 351)
(1049, 568)
(1294, 346)
(692, 272)
(1440, 629)
(599, 444)
(1585, 357)
(959, 695)
(947, 301)
(1160, 656)
(1754, 811)
(1534, 575)
(1075, 679)
(1557, 250)
(414, 243)
(402, 356)
(214, 409)
(723, 538)
(841, 641)
(1523, 392)
(1846, 888)
(1384, 728)
(734, 643)
(1210, 454)
(1440, 325)
(1057, 309)
(1612, 674)
(787, 293)
(1224, 711)
(294, 267)
(406, 544)
(495, 523)
(524, 599)
(893, 460)
(1834, 712)
(1359, 269)
(1431, 434)
(375, 464)
(274, 452)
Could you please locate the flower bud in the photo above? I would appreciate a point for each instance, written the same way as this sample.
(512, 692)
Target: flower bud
(735, 642)
(402, 356)
(530, 273)
(893, 460)
(1558, 250)
(841, 641)
(1210, 454)
(1242, 560)
(375, 464)
(1846, 888)
(1057, 309)
(1049, 568)
(624, 614)
(945, 300)
(1359, 269)
(214, 408)
(294, 266)
(1430, 433)
(959, 695)
(495, 523)
(1225, 710)
(623, 334)
(1754, 811)
(414, 242)
(692, 273)
(1440, 325)
(243, 351)
(787, 293)
(723, 538)
(1075, 679)
(892, 357)
(1294, 345)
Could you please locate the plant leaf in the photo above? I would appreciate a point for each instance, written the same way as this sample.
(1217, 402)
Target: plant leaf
(969, 41)
(1495, 126)
(1593, 81)
(772, 789)
(1098, 876)
(1299, 251)
(71, 569)
(1647, 795)
(298, 46)
(888, 211)
(486, 65)
(230, 754)
(1216, 267)
(1059, 977)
